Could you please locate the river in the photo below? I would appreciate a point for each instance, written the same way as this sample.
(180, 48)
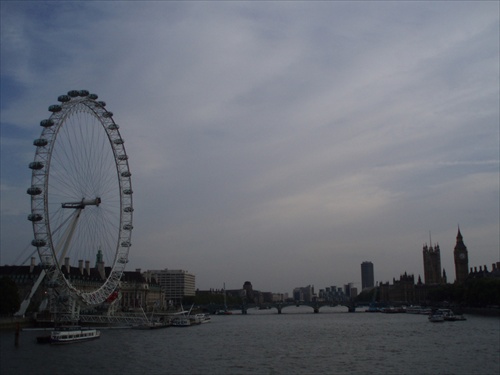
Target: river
(264, 342)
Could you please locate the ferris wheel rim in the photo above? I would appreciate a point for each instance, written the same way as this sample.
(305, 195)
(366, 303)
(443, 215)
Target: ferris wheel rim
(80, 101)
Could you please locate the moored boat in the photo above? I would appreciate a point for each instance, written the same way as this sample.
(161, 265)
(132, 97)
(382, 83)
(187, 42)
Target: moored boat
(69, 335)
(151, 325)
(445, 315)
(203, 318)
(181, 321)
(436, 318)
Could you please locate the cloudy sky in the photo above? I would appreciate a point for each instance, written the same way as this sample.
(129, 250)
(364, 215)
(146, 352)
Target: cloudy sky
(282, 143)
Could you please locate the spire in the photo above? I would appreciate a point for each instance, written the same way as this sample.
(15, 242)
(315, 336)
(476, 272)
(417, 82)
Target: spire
(459, 235)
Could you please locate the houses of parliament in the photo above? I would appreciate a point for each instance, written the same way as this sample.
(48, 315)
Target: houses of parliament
(433, 274)
(406, 289)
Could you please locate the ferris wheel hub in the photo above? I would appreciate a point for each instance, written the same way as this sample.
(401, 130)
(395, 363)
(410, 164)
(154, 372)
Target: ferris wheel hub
(84, 202)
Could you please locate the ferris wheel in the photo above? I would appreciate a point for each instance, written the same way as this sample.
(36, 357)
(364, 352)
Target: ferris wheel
(81, 199)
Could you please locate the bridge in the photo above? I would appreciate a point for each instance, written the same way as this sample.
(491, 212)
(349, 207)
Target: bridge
(279, 306)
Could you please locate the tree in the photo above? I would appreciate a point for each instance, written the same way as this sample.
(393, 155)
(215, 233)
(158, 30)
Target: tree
(9, 297)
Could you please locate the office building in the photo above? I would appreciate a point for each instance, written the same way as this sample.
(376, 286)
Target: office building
(176, 284)
(367, 275)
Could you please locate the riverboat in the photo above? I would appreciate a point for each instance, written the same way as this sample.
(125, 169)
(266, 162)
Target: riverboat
(418, 310)
(202, 318)
(181, 321)
(151, 325)
(449, 316)
(445, 315)
(223, 312)
(436, 318)
(69, 335)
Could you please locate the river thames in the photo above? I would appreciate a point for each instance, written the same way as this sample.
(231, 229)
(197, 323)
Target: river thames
(264, 342)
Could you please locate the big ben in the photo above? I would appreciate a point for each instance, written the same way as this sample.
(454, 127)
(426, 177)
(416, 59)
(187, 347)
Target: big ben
(461, 259)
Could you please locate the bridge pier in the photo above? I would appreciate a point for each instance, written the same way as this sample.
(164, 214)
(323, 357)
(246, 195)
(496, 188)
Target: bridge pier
(316, 310)
(279, 309)
(243, 310)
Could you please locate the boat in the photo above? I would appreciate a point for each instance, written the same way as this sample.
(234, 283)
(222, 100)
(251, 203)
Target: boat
(69, 335)
(436, 318)
(393, 310)
(449, 316)
(181, 321)
(445, 315)
(151, 325)
(418, 310)
(224, 311)
(202, 318)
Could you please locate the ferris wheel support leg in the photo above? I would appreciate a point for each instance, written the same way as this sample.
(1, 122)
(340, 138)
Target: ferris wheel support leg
(26, 302)
(74, 310)
(62, 248)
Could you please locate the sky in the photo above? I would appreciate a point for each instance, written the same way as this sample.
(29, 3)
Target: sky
(281, 143)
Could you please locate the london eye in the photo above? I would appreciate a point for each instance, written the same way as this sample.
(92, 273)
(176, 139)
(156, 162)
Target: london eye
(81, 198)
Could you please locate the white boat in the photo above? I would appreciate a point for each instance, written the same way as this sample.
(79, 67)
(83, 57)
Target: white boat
(181, 321)
(202, 318)
(418, 310)
(70, 335)
(449, 316)
(436, 318)
(151, 325)
(445, 315)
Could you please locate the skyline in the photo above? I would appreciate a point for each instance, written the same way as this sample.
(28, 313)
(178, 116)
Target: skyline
(271, 141)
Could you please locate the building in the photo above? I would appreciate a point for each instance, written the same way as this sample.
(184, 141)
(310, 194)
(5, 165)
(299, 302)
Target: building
(176, 284)
(401, 291)
(248, 288)
(367, 275)
(461, 260)
(133, 292)
(304, 294)
(332, 294)
(432, 265)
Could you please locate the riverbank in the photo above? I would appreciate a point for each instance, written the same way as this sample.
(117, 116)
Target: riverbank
(484, 311)
(8, 323)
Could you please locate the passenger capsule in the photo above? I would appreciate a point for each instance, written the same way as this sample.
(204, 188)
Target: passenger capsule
(113, 127)
(47, 123)
(127, 191)
(107, 114)
(35, 217)
(83, 93)
(103, 104)
(126, 174)
(40, 142)
(34, 190)
(128, 227)
(128, 209)
(36, 165)
(64, 98)
(38, 243)
(122, 157)
(55, 108)
(118, 141)
(74, 93)
(126, 244)
(93, 96)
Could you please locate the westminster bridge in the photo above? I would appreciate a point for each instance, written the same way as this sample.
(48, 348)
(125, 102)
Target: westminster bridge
(279, 306)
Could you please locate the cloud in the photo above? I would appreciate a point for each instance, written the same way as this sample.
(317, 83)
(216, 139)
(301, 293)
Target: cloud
(263, 137)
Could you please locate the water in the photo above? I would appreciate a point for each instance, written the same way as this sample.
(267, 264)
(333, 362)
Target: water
(263, 342)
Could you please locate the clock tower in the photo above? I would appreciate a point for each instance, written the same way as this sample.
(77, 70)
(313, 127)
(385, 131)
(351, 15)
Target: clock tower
(461, 259)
